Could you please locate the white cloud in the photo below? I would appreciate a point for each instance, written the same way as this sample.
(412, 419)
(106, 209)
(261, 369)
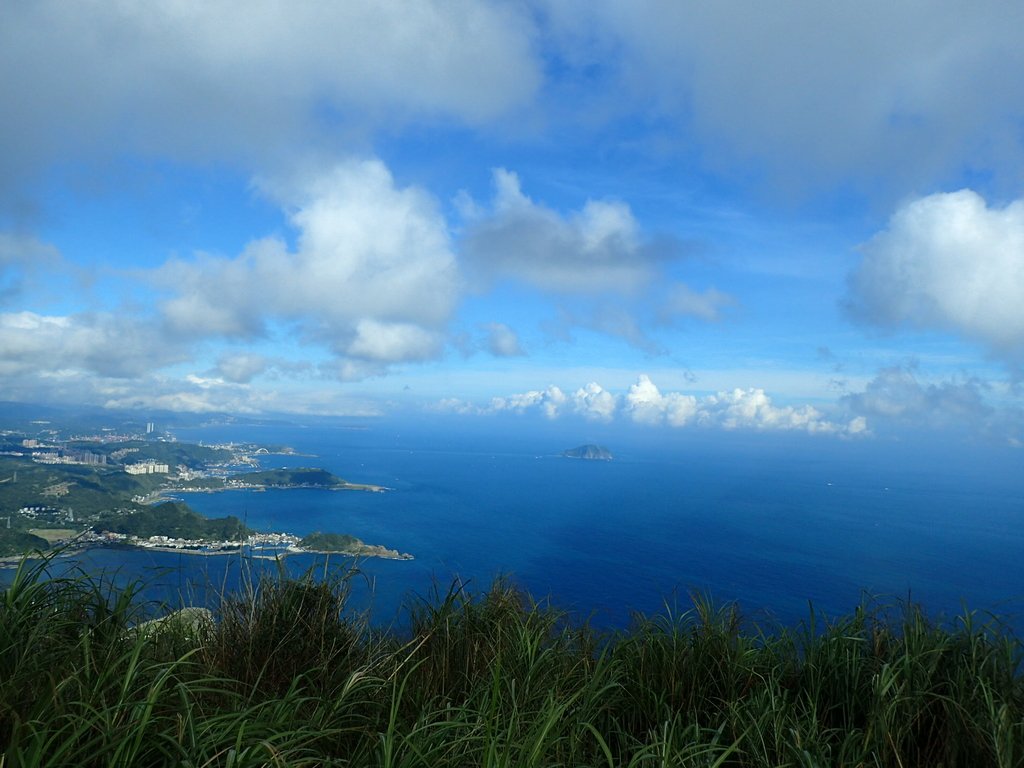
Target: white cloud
(896, 396)
(595, 402)
(816, 92)
(102, 344)
(596, 249)
(753, 409)
(948, 261)
(189, 392)
(592, 401)
(549, 401)
(217, 78)
(502, 341)
(109, 360)
(392, 342)
(372, 276)
(241, 368)
(645, 403)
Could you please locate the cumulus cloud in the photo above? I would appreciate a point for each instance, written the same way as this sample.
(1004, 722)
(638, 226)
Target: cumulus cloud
(645, 403)
(896, 396)
(372, 275)
(815, 92)
(390, 342)
(198, 394)
(241, 368)
(550, 402)
(950, 262)
(752, 408)
(901, 398)
(51, 375)
(101, 344)
(594, 402)
(146, 392)
(502, 341)
(215, 78)
(596, 249)
(748, 408)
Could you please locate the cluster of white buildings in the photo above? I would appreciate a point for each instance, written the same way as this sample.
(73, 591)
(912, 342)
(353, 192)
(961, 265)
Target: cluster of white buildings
(69, 456)
(147, 468)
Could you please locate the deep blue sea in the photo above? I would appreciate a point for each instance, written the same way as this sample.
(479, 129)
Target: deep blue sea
(771, 523)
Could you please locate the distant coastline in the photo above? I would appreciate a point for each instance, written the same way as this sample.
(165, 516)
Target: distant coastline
(165, 494)
(259, 546)
(126, 492)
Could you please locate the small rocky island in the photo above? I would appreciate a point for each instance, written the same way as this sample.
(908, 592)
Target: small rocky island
(590, 452)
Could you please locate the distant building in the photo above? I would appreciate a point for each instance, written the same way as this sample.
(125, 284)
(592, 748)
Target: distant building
(149, 427)
(68, 456)
(147, 468)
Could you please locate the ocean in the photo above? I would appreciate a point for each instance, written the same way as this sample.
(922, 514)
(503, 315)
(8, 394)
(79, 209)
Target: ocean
(775, 524)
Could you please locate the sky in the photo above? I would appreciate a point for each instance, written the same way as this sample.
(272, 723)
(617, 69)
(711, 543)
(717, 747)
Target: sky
(798, 216)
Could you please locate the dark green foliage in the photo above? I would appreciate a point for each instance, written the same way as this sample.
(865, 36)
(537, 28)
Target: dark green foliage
(176, 454)
(287, 675)
(329, 542)
(90, 490)
(176, 520)
(290, 478)
(13, 542)
(93, 490)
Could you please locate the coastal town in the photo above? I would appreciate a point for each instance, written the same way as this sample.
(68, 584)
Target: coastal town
(123, 487)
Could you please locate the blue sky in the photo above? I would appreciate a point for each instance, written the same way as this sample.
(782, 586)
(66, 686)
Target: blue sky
(799, 216)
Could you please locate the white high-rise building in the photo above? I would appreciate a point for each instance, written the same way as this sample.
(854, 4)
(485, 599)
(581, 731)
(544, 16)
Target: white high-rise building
(147, 468)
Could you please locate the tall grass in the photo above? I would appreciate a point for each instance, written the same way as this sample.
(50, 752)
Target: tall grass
(287, 675)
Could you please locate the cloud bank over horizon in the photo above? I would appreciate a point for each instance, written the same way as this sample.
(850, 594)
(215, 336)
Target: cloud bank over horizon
(644, 403)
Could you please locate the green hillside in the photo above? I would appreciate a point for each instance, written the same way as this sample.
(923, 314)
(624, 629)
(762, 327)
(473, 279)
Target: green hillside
(329, 542)
(175, 520)
(291, 478)
(14, 542)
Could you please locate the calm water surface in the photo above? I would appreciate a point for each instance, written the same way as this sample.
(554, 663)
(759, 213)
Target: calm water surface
(770, 524)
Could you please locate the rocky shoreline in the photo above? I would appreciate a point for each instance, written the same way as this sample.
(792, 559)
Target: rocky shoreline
(282, 544)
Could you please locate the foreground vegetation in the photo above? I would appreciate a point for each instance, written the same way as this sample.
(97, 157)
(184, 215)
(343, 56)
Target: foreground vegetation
(284, 673)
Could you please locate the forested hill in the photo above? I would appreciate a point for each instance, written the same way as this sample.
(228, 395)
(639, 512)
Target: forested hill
(303, 477)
